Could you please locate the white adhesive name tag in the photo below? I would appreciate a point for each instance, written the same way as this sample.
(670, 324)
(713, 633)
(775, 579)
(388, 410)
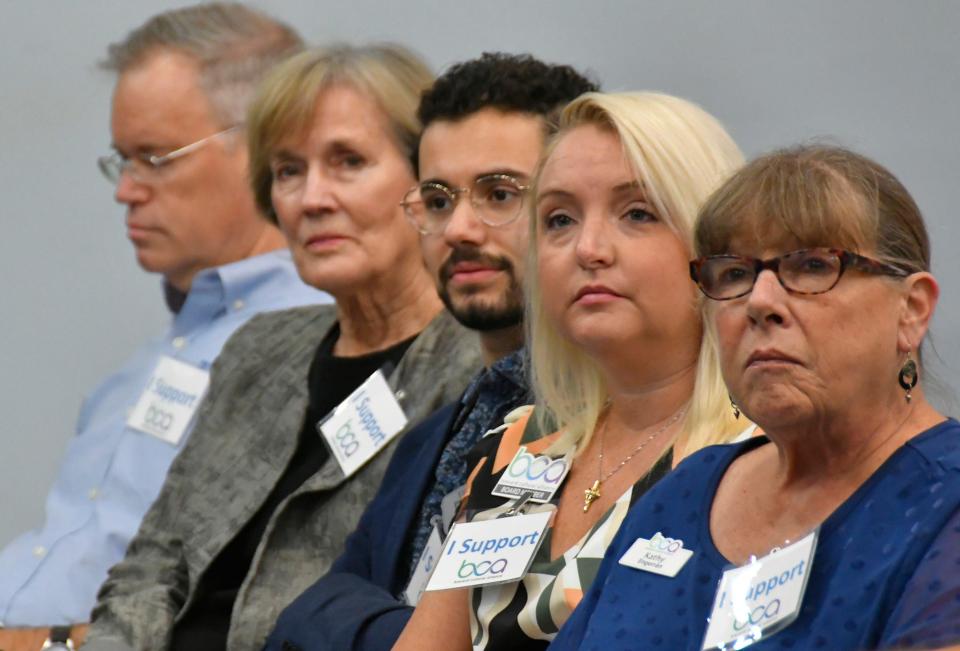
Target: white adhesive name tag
(536, 474)
(758, 599)
(488, 552)
(660, 555)
(171, 398)
(421, 574)
(363, 424)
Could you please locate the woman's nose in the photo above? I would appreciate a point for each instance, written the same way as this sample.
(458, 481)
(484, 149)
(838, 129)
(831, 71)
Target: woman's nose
(765, 302)
(594, 247)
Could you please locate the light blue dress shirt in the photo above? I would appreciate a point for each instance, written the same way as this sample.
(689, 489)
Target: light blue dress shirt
(111, 473)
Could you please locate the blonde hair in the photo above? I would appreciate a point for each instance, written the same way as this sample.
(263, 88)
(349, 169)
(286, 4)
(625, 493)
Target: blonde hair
(391, 75)
(680, 154)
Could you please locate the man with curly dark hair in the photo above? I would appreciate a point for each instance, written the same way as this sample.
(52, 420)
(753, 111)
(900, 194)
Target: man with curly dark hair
(485, 123)
(512, 83)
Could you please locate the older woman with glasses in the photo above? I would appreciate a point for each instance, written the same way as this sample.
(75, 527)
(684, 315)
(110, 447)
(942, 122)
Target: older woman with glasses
(626, 382)
(840, 528)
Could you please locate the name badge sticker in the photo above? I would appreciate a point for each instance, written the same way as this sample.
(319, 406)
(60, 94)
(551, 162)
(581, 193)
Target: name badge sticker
(363, 424)
(758, 599)
(489, 552)
(167, 405)
(659, 555)
(421, 574)
(537, 474)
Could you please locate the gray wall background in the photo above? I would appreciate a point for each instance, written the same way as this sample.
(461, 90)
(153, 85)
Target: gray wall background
(882, 76)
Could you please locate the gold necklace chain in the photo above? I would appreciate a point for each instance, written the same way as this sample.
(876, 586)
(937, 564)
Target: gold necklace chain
(593, 493)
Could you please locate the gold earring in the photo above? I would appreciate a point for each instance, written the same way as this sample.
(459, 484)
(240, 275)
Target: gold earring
(908, 376)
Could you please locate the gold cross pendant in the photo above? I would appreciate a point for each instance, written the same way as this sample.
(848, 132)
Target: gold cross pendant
(590, 495)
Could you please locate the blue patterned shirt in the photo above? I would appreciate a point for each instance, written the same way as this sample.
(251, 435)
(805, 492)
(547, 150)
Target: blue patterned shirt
(494, 393)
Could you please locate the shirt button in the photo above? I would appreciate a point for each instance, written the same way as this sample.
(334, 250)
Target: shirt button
(39, 551)
(179, 342)
(400, 394)
(93, 494)
(239, 304)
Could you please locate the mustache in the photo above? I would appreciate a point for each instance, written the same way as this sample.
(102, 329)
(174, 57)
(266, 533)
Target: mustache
(469, 254)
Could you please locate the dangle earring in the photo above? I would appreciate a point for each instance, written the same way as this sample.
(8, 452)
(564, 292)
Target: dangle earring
(733, 405)
(908, 376)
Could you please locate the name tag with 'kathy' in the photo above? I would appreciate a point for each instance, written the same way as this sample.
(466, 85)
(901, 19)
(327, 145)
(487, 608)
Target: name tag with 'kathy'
(660, 555)
(171, 398)
(363, 424)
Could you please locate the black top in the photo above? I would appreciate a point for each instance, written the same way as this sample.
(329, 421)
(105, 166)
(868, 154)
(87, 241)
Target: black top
(205, 625)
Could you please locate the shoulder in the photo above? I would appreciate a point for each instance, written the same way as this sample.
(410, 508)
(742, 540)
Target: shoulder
(445, 338)
(938, 447)
(918, 485)
(270, 339)
(427, 432)
(271, 330)
(438, 366)
(296, 318)
(924, 471)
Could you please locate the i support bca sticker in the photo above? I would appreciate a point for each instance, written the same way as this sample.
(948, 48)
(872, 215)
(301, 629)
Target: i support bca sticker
(758, 599)
(489, 551)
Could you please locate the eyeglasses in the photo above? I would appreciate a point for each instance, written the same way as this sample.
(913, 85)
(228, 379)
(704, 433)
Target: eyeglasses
(807, 271)
(496, 198)
(146, 167)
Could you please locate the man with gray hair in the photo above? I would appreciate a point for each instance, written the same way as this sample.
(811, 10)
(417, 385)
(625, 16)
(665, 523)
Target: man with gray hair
(184, 80)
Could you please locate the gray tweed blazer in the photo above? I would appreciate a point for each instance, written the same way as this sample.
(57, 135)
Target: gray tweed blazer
(245, 436)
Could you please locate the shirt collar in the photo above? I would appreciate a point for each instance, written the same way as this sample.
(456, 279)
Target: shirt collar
(512, 367)
(173, 297)
(506, 374)
(230, 286)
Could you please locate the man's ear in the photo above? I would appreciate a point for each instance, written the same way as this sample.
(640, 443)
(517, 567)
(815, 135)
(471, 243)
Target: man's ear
(919, 301)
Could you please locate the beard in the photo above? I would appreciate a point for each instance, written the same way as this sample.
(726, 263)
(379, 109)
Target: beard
(476, 313)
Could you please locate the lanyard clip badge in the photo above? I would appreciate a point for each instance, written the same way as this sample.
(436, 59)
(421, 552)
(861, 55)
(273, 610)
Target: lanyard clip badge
(516, 507)
(485, 552)
(501, 550)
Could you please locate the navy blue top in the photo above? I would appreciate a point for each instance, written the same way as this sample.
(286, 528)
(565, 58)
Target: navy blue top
(886, 571)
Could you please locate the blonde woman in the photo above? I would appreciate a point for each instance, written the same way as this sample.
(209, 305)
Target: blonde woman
(625, 377)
